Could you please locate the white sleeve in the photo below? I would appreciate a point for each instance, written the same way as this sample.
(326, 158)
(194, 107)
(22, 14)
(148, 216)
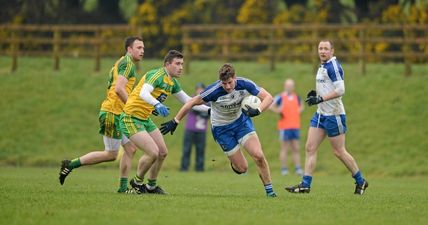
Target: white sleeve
(339, 87)
(183, 98)
(146, 96)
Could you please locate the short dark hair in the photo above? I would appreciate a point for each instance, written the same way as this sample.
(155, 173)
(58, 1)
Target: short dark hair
(226, 71)
(129, 41)
(329, 41)
(171, 55)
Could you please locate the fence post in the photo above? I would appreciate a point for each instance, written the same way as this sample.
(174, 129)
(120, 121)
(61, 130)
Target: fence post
(406, 48)
(56, 46)
(272, 48)
(14, 49)
(186, 50)
(362, 36)
(97, 48)
(225, 47)
(315, 37)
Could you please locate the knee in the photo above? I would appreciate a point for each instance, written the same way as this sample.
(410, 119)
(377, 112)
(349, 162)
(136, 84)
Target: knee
(259, 159)
(310, 149)
(239, 169)
(338, 152)
(162, 154)
(111, 155)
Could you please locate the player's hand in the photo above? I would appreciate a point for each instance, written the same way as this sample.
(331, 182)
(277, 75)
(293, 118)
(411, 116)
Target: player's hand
(155, 113)
(311, 93)
(161, 109)
(251, 112)
(169, 126)
(313, 100)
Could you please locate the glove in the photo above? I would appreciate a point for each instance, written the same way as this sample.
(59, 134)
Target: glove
(169, 126)
(161, 109)
(313, 100)
(155, 113)
(311, 93)
(251, 112)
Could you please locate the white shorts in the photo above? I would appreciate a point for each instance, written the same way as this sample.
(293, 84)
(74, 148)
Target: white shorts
(111, 144)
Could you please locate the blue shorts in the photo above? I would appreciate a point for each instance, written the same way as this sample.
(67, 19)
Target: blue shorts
(230, 136)
(289, 134)
(333, 125)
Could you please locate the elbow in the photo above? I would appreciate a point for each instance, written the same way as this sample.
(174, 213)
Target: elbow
(340, 91)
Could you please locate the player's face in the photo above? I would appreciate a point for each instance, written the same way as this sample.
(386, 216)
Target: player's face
(229, 84)
(137, 50)
(175, 68)
(289, 86)
(325, 52)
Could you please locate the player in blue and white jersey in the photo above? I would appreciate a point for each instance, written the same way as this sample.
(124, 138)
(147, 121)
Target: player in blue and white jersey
(329, 120)
(231, 126)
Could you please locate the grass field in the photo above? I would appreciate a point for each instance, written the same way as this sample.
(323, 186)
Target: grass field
(34, 196)
(51, 115)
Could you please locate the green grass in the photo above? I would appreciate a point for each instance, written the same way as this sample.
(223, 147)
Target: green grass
(49, 115)
(34, 196)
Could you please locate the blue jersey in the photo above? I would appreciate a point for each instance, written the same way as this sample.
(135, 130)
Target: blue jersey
(328, 76)
(226, 107)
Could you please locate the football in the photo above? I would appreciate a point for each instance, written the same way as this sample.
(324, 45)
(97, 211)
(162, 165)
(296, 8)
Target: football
(252, 101)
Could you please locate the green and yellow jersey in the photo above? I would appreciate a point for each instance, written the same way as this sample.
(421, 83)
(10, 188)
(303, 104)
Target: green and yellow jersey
(125, 67)
(163, 86)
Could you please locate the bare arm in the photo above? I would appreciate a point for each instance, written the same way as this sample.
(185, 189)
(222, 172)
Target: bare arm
(274, 108)
(266, 98)
(120, 88)
(197, 100)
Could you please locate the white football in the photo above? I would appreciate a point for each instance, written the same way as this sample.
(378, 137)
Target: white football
(252, 101)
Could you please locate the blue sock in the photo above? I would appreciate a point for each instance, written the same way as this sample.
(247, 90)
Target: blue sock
(359, 179)
(306, 181)
(268, 188)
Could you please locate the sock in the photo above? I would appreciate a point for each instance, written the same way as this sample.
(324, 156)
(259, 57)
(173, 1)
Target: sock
(284, 169)
(359, 179)
(297, 168)
(75, 163)
(138, 180)
(151, 184)
(306, 181)
(268, 189)
(123, 185)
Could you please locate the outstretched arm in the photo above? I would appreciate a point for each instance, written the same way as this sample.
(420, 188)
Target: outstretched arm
(170, 126)
(197, 100)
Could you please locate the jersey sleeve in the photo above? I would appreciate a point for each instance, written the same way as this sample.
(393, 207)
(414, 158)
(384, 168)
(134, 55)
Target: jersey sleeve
(277, 100)
(210, 93)
(251, 87)
(335, 71)
(126, 69)
(176, 88)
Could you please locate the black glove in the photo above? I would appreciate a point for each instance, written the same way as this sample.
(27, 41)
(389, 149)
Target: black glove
(313, 99)
(169, 126)
(311, 93)
(251, 112)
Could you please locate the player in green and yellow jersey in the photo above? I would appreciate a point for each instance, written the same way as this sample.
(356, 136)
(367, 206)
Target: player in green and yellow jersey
(120, 84)
(146, 99)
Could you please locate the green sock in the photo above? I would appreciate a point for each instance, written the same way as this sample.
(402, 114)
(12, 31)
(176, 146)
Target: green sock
(139, 180)
(123, 184)
(75, 163)
(151, 183)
